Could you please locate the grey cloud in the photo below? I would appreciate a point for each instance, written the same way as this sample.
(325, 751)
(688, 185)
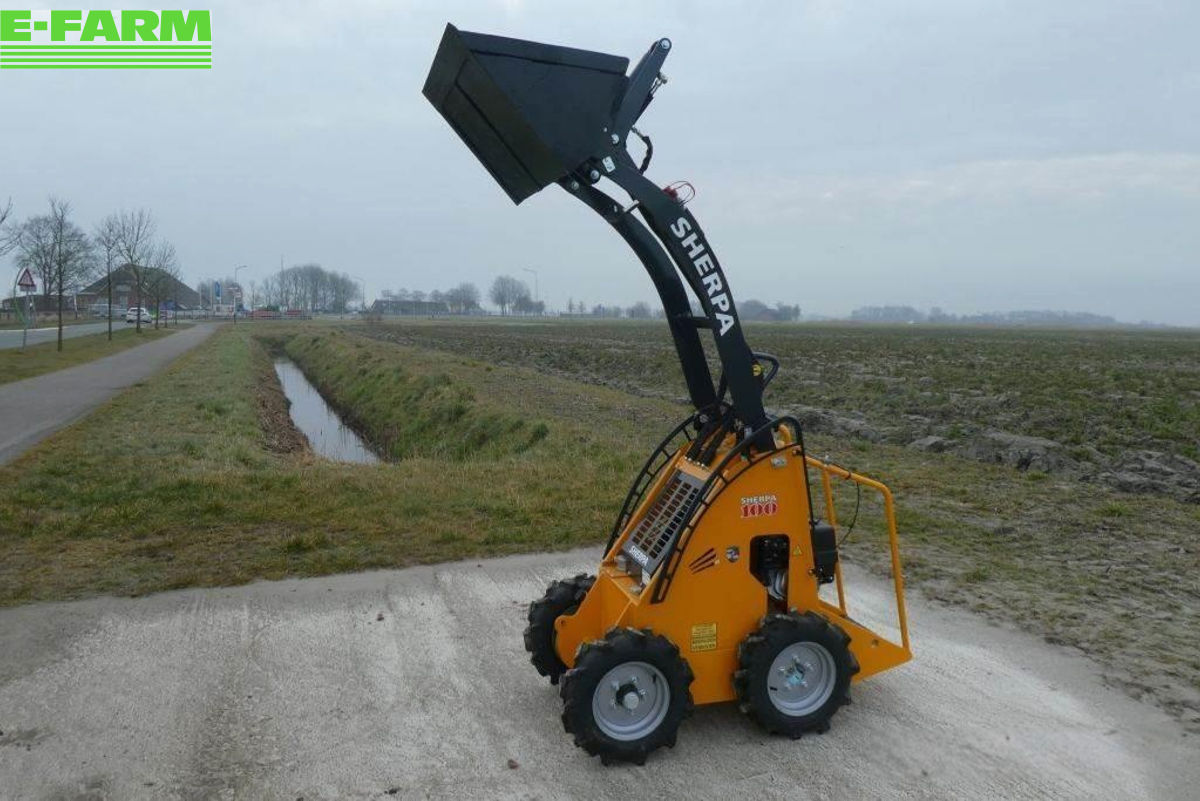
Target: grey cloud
(967, 154)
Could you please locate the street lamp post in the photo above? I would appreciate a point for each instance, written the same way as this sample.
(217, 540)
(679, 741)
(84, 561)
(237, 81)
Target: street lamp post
(536, 294)
(237, 297)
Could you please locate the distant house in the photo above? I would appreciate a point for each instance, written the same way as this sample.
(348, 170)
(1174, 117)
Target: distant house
(124, 295)
(124, 289)
(41, 303)
(395, 308)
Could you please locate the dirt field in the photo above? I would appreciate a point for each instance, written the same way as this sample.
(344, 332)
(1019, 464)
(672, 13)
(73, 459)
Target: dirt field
(1112, 407)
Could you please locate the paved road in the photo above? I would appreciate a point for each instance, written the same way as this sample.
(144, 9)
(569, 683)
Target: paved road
(295, 689)
(10, 338)
(32, 409)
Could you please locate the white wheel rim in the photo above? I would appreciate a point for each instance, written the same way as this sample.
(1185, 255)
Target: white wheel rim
(631, 701)
(801, 679)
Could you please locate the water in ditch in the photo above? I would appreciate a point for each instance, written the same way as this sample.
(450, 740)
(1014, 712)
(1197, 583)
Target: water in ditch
(326, 432)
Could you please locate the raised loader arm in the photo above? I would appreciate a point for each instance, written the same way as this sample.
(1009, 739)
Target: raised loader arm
(536, 114)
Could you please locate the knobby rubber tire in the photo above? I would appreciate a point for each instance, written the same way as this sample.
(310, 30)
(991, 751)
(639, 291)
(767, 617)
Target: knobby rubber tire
(561, 598)
(757, 653)
(598, 657)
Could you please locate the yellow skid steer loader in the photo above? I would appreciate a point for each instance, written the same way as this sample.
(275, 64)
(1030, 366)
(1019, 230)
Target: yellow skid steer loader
(708, 590)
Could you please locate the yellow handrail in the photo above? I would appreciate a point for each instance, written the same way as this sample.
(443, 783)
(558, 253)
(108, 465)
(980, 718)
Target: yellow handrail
(889, 513)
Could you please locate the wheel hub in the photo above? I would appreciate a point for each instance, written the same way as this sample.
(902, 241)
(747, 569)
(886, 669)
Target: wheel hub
(631, 701)
(802, 678)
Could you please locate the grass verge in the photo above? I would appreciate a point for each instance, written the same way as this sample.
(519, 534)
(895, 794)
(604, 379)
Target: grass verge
(407, 412)
(35, 360)
(9, 321)
(182, 483)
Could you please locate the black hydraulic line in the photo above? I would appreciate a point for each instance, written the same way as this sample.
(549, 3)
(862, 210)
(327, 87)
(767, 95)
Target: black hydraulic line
(710, 450)
(706, 450)
(649, 150)
(706, 431)
(803, 452)
(670, 289)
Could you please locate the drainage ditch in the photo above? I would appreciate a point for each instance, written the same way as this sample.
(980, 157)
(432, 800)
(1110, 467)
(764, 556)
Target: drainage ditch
(328, 435)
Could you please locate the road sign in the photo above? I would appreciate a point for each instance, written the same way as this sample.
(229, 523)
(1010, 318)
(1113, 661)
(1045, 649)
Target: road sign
(25, 282)
(27, 285)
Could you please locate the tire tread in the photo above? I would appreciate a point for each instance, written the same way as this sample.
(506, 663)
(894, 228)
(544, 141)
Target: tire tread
(755, 654)
(599, 656)
(560, 598)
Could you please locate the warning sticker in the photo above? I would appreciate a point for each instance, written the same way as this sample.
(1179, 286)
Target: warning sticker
(704, 637)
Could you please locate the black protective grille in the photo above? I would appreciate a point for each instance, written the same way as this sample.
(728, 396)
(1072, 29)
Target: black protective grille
(655, 532)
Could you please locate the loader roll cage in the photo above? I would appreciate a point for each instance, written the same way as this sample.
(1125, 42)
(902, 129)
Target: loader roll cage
(537, 114)
(735, 463)
(829, 471)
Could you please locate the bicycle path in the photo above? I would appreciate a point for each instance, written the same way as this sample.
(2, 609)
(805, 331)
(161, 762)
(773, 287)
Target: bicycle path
(35, 408)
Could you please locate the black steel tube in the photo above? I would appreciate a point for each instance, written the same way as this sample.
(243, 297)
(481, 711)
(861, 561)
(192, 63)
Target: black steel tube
(670, 289)
(684, 241)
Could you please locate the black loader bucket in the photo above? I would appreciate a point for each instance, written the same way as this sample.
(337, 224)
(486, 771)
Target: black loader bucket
(531, 112)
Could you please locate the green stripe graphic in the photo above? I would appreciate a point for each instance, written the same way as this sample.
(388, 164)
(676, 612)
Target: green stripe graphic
(105, 66)
(116, 60)
(103, 47)
(161, 56)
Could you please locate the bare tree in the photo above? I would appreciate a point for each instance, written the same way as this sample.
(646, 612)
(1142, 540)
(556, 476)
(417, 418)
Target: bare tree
(58, 250)
(33, 241)
(506, 291)
(7, 238)
(463, 298)
(74, 256)
(135, 244)
(269, 290)
(107, 240)
(525, 304)
(34, 245)
(308, 286)
(161, 276)
(639, 311)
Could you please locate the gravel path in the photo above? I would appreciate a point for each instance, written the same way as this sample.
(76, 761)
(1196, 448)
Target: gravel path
(296, 689)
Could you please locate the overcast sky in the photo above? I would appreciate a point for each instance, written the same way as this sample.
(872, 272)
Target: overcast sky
(971, 155)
